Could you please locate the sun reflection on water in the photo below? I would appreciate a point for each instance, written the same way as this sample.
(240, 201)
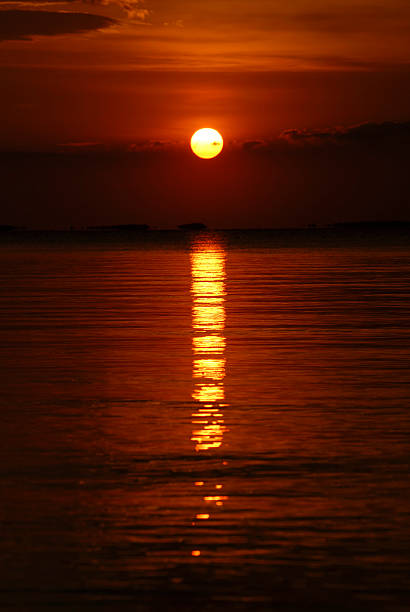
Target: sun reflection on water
(209, 362)
(208, 323)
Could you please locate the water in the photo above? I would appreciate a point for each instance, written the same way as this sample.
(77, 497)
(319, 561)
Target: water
(200, 421)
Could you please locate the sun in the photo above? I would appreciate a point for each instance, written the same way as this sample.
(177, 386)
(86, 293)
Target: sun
(207, 143)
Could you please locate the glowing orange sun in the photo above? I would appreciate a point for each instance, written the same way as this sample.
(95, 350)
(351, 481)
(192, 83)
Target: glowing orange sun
(207, 143)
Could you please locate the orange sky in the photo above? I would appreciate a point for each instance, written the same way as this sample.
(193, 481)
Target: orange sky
(123, 71)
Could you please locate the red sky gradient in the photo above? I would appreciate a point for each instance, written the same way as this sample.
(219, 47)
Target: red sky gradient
(138, 75)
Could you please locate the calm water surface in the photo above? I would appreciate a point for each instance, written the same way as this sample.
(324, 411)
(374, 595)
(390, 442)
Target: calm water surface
(196, 422)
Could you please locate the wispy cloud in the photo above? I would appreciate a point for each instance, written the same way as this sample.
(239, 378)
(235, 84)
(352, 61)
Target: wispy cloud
(134, 9)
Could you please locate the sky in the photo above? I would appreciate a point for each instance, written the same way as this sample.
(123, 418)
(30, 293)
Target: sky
(99, 100)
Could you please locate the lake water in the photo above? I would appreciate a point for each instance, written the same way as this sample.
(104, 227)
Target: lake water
(202, 421)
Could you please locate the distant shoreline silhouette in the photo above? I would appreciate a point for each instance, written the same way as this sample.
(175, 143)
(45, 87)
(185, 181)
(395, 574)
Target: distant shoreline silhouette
(192, 226)
(129, 227)
(198, 226)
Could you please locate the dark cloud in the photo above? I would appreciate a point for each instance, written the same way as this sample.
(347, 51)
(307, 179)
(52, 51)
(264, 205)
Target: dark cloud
(250, 145)
(393, 132)
(23, 25)
(143, 146)
(23, 3)
(151, 145)
(82, 147)
(385, 137)
(132, 8)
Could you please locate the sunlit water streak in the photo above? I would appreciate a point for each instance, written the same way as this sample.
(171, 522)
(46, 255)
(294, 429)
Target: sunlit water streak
(209, 363)
(195, 423)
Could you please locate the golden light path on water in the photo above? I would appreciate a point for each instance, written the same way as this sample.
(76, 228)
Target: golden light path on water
(209, 363)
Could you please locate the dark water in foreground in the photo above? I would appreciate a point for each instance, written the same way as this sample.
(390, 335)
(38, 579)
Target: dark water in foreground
(203, 422)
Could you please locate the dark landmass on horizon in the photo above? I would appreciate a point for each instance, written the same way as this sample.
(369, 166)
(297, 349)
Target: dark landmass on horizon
(193, 226)
(365, 226)
(128, 227)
